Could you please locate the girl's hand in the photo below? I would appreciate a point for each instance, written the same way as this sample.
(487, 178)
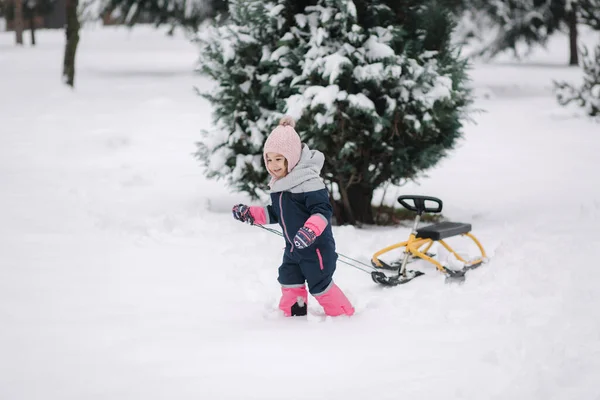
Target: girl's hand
(241, 212)
(304, 238)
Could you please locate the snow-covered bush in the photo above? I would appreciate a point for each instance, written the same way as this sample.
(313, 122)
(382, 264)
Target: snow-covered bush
(375, 85)
(587, 95)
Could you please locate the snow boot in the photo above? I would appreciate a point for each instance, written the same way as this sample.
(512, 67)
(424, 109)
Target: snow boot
(335, 302)
(294, 301)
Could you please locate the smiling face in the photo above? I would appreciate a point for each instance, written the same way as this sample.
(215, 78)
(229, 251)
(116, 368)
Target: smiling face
(277, 165)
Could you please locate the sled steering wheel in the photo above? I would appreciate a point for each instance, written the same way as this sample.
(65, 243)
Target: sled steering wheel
(421, 204)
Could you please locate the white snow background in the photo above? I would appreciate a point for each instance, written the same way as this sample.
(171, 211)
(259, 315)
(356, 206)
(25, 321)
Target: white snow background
(124, 276)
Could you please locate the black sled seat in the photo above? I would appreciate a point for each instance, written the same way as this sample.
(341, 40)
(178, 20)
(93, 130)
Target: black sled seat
(443, 230)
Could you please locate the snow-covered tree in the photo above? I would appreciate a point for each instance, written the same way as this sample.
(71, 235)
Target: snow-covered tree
(530, 22)
(373, 84)
(188, 14)
(589, 13)
(238, 57)
(507, 24)
(587, 95)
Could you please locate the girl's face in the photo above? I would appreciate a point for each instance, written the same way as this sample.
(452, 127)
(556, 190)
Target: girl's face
(277, 165)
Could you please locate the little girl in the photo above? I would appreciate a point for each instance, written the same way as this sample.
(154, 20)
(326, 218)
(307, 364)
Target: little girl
(300, 204)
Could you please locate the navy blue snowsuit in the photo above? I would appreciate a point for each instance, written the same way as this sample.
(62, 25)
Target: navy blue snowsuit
(314, 264)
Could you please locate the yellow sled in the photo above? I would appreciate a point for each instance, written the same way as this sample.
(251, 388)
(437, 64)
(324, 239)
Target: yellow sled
(420, 241)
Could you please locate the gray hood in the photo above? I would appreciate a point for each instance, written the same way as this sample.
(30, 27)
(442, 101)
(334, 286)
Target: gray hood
(306, 175)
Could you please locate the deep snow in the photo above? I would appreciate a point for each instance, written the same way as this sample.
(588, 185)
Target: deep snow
(123, 275)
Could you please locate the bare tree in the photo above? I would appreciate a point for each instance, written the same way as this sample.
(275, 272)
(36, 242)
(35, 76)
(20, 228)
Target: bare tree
(18, 21)
(571, 10)
(30, 11)
(72, 36)
(32, 26)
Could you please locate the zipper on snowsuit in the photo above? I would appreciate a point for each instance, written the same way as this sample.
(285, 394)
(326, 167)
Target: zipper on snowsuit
(283, 222)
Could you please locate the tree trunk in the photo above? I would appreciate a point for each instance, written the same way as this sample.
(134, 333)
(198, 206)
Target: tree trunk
(32, 25)
(19, 21)
(346, 216)
(72, 34)
(356, 203)
(572, 21)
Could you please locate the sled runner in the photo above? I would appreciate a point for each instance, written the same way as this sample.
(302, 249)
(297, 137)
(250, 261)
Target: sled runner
(420, 242)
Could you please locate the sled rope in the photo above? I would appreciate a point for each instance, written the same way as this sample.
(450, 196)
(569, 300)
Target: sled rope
(354, 263)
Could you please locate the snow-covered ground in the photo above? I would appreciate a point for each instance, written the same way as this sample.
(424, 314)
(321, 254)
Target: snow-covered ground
(123, 275)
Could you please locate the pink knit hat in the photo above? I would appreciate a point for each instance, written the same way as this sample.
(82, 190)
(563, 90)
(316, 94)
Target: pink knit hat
(285, 141)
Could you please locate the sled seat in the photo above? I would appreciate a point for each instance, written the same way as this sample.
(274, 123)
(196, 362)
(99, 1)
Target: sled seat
(443, 230)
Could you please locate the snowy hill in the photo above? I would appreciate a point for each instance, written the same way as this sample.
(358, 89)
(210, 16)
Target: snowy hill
(123, 275)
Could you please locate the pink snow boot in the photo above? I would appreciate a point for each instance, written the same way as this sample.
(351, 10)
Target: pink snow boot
(335, 302)
(293, 301)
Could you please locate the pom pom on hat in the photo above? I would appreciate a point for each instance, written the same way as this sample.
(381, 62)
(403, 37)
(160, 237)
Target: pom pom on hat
(287, 121)
(284, 140)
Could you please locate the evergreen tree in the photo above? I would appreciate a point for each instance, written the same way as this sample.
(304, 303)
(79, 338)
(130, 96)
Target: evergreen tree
(519, 21)
(532, 22)
(589, 11)
(588, 95)
(239, 56)
(373, 84)
(188, 14)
